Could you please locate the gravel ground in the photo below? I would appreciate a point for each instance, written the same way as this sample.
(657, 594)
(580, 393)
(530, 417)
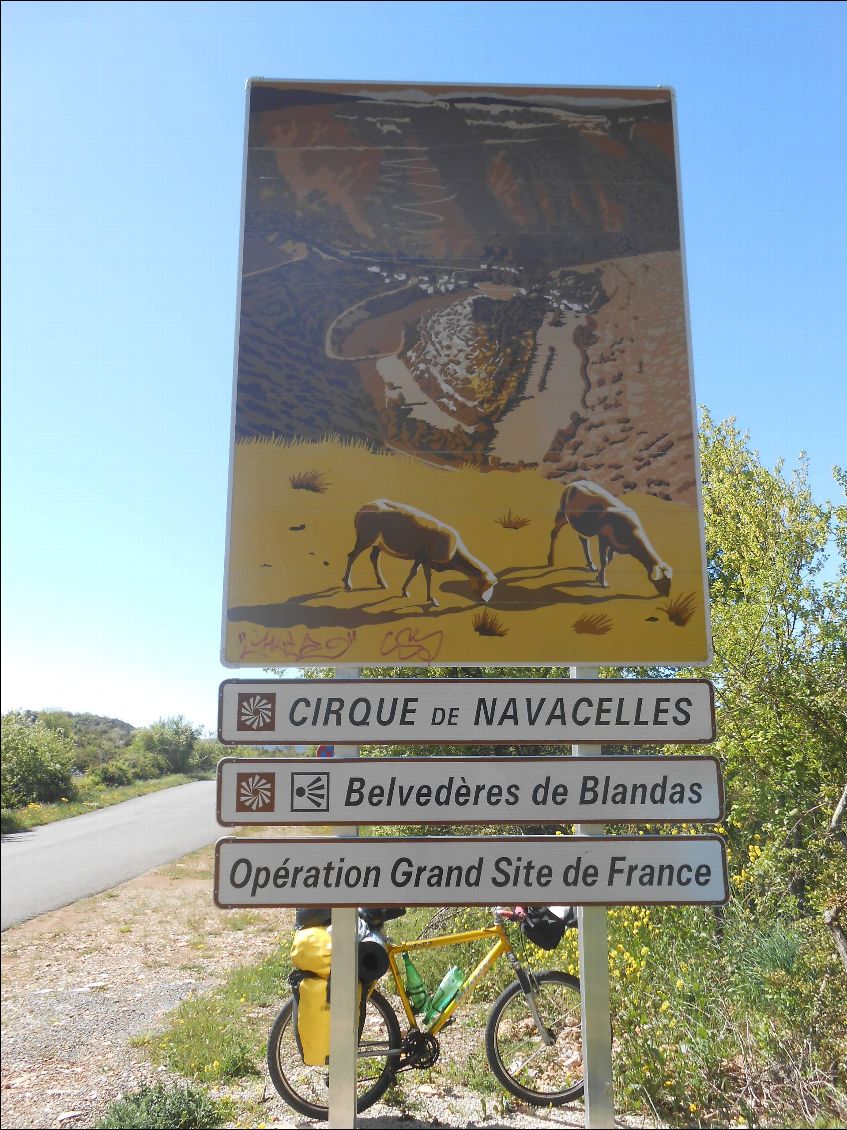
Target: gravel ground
(80, 983)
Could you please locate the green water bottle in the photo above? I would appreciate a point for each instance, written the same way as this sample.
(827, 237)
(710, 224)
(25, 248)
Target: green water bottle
(450, 985)
(416, 990)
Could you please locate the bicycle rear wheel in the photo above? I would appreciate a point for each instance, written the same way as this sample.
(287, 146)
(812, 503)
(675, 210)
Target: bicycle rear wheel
(544, 1068)
(306, 1089)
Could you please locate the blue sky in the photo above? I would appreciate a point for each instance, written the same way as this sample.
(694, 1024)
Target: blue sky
(122, 147)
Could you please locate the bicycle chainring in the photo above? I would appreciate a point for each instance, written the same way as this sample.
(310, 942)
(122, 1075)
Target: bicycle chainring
(420, 1050)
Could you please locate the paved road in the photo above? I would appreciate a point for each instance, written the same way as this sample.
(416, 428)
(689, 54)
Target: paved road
(57, 864)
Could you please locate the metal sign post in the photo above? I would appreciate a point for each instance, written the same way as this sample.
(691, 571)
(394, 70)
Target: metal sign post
(343, 1005)
(594, 982)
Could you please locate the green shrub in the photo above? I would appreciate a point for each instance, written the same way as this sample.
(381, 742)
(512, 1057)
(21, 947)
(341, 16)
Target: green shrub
(11, 822)
(135, 766)
(153, 1107)
(37, 763)
(170, 741)
(117, 772)
(208, 752)
(716, 1016)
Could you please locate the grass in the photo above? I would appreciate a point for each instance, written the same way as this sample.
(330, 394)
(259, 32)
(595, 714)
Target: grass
(486, 623)
(223, 1035)
(712, 1024)
(510, 521)
(594, 625)
(89, 798)
(315, 481)
(680, 609)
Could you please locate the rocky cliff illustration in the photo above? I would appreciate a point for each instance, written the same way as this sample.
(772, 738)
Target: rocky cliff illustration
(476, 294)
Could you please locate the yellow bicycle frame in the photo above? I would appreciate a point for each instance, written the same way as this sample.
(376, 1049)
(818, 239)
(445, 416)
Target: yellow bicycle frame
(501, 946)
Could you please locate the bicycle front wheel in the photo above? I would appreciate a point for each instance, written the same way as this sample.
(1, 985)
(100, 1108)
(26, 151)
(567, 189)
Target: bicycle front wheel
(541, 1066)
(306, 1089)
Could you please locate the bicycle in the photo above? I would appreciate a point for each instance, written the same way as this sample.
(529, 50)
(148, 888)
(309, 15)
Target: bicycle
(533, 1036)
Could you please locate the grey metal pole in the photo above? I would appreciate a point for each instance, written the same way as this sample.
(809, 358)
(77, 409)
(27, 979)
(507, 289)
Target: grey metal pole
(594, 982)
(343, 1007)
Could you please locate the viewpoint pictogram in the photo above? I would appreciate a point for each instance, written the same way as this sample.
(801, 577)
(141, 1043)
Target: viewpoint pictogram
(310, 792)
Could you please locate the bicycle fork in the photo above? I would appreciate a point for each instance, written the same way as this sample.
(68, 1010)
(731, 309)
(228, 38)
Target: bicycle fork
(530, 987)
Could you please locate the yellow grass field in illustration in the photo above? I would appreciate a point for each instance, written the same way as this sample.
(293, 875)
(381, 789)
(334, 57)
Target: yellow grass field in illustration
(290, 549)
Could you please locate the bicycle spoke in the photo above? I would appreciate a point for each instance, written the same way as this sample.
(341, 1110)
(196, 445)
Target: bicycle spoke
(307, 1088)
(539, 1063)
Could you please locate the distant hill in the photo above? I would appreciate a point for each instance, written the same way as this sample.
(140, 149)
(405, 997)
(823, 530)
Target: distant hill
(97, 738)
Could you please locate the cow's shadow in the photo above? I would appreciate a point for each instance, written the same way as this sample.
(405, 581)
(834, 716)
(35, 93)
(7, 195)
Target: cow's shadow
(569, 585)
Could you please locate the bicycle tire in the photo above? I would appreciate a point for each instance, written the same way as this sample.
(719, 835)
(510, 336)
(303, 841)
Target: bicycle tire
(306, 1089)
(538, 1073)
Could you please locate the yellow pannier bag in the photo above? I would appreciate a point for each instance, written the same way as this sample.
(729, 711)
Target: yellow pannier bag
(311, 956)
(312, 1019)
(312, 951)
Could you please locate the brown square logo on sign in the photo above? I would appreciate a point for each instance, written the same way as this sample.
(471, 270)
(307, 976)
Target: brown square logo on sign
(254, 792)
(256, 712)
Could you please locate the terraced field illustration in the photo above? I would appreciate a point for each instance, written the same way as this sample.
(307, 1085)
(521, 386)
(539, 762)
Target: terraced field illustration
(455, 304)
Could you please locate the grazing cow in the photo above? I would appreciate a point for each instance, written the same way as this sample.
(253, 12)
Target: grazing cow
(411, 534)
(593, 512)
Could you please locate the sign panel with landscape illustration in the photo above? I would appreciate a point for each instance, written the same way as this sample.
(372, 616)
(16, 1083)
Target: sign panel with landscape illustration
(464, 426)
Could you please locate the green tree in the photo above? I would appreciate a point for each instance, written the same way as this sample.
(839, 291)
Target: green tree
(37, 763)
(208, 752)
(780, 665)
(170, 742)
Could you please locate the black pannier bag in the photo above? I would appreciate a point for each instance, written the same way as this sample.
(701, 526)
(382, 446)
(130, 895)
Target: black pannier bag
(307, 916)
(373, 953)
(377, 916)
(545, 926)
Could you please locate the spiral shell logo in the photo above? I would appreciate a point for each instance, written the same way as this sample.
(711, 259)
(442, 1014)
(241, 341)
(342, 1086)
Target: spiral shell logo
(256, 712)
(255, 792)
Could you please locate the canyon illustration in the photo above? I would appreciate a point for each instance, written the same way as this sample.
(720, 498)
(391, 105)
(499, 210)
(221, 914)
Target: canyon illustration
(464, 420)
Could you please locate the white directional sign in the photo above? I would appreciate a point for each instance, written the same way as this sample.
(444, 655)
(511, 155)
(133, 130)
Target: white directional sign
(470, 790)
(480, 871)
(463, 711)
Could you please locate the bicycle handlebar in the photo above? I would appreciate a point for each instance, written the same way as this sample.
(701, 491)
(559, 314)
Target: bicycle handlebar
(510, 914)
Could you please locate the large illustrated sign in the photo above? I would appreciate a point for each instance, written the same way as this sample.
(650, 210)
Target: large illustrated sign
(464, 425)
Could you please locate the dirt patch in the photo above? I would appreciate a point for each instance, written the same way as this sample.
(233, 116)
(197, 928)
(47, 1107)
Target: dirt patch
(81, 982)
